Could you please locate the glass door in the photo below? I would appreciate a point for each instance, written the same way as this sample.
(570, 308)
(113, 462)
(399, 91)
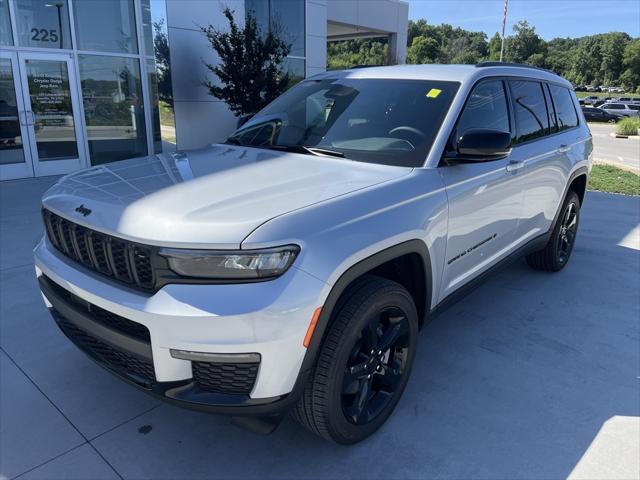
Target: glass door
(15, 154)
(51, 107)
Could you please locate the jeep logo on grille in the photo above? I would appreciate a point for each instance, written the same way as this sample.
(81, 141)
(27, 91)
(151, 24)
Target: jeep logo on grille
(83, 210)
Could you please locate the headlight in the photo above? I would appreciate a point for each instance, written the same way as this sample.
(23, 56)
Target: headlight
(231, 265)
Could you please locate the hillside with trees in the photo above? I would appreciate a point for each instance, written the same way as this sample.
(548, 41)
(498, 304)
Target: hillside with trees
(610, 59)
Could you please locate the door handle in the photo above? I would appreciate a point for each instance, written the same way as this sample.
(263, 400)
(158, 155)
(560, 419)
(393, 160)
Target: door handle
(514, 165)
(564, 148)
(22, 115)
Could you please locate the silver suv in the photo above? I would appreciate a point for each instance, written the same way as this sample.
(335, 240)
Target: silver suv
(292, 267)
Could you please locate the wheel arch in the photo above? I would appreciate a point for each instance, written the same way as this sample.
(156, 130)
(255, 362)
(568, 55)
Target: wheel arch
(413, 253)
(578, 184)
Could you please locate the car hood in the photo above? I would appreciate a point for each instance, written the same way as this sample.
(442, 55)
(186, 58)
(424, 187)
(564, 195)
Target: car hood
(213, 197)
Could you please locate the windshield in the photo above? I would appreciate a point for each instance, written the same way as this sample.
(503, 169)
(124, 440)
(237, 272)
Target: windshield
(386, 121)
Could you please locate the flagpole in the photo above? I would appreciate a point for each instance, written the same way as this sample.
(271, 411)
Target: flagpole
(504, 24)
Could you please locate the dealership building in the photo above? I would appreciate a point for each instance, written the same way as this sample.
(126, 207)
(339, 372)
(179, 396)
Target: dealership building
(86, 82)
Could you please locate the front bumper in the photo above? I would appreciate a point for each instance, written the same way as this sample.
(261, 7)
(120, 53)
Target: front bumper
(267, 320)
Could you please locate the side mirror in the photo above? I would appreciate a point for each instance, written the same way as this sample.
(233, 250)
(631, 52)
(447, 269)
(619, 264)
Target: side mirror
(482, 145)
(242, 119)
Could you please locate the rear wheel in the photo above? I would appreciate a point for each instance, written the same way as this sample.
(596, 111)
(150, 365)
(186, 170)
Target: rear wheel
(364, 363)
(558, 250)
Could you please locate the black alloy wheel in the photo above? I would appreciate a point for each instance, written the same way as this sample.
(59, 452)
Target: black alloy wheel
(376, 366)
(567, 233)
(556, 253)
(364, 362)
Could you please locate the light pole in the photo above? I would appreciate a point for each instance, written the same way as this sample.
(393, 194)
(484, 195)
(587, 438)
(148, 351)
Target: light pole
(504, 24)
(58, 6)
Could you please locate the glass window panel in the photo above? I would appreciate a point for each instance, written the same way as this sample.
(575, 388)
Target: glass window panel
(485, 108)
(106, 25)
(530, 110)
(287, 17)
(295, 67)
(113, 108)
(152, 78)
(283, 16)
(147, 26)
(5, 24)
(11, 147)
(50, 96)
(43, 23)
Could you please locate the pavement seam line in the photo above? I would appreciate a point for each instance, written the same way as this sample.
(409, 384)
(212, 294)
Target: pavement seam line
(49, 461)
(124, 422)
(15, 267)
(58, 409)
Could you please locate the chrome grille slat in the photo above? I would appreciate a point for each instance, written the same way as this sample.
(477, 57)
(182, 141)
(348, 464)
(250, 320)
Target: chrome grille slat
(119, 259)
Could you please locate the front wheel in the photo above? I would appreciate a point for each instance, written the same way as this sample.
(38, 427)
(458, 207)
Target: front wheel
(364, 362)
(556, 253)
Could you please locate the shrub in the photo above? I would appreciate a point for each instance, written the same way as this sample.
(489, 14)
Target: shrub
(628, 126)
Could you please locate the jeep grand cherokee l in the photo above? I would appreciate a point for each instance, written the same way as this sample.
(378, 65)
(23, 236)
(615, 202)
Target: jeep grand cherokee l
(291, 267)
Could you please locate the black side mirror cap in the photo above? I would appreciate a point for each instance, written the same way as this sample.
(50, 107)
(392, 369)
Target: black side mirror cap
(482, 145)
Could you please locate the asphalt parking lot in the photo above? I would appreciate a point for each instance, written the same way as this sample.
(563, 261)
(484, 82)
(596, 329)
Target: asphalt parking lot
(621, 152)
(531, 376)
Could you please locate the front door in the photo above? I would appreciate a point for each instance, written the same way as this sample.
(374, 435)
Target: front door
(46, 138)
(485, 198)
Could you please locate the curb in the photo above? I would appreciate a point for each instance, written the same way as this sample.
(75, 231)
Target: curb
(629, 137)
(621, 166)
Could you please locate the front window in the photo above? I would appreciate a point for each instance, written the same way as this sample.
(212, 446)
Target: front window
(386, 121)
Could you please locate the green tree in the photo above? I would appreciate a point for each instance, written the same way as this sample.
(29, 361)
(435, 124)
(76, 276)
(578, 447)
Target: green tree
(163, 63)
(586, 62)
(495, 44)
(250, 69)
(524, 43)
(423, 50)
(631, 62)
(613, 47)
(537, 60)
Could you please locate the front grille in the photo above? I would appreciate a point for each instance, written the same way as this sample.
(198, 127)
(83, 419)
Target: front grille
(104, 317)
(140, 371)
(119, 259)
(234, 378)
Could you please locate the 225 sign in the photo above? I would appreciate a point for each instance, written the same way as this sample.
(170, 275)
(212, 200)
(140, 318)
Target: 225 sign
(44, 35)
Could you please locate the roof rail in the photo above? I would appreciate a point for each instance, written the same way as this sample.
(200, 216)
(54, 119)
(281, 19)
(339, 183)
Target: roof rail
(506, 64)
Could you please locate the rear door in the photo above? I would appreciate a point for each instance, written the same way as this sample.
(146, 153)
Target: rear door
(549, 156)
(485, 199)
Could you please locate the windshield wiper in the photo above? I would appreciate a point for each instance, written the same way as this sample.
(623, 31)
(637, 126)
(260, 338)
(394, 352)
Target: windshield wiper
(305, 149)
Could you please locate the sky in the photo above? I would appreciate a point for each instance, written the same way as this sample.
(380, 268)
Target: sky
(552, 18)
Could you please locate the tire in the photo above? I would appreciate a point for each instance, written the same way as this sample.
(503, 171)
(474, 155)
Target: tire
(346, 371)
(555, 255)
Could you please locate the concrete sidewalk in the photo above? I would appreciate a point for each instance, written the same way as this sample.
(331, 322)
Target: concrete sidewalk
(531, 376)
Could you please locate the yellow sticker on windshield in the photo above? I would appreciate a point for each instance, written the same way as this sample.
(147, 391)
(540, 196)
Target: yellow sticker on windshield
(433, 93)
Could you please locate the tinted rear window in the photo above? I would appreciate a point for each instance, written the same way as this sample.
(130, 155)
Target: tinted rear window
(530, 110)
(565, 109)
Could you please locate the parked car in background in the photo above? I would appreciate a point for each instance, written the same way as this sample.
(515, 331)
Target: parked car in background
(590, 100)
(590, 88)
(592, 114)
(624, 109)
(626, 99)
